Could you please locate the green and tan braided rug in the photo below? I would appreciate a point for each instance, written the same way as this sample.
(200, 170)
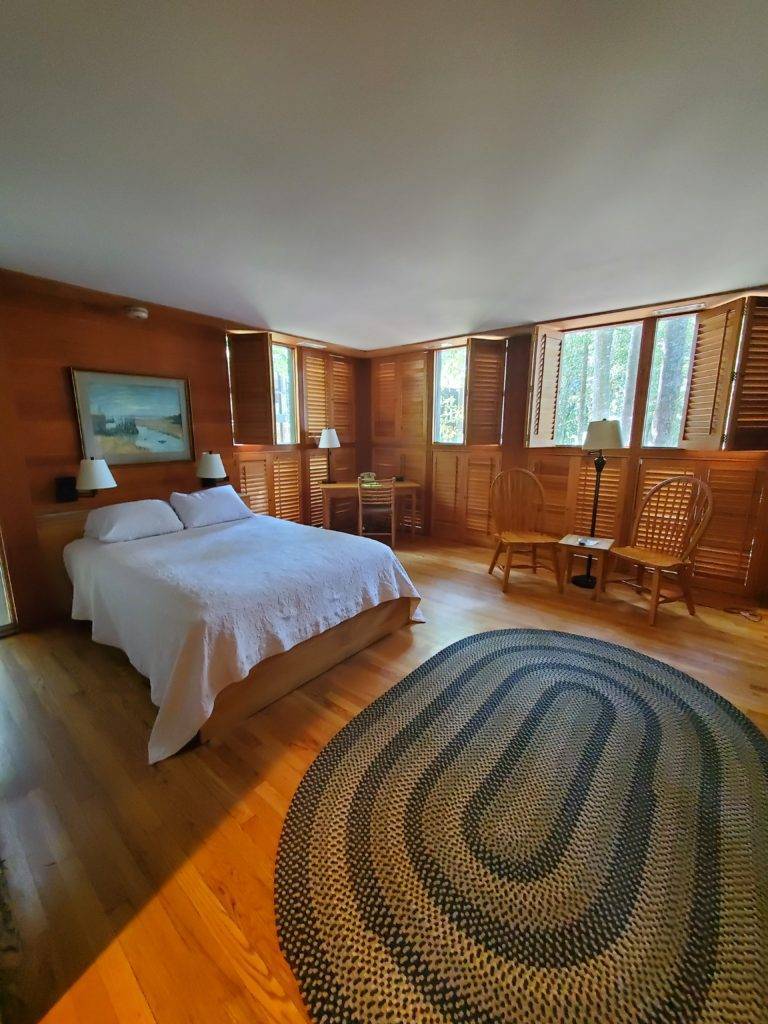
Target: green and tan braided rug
(533, 827)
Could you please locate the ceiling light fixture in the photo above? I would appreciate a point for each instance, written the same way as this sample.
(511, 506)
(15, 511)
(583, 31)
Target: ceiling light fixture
(692, 307)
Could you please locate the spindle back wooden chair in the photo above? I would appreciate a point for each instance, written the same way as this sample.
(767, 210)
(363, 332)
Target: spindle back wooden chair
(666, 532)
(377, 504)
(517, 509)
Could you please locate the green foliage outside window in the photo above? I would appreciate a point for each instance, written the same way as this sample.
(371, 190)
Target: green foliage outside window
(598, 371)
(284, 394)
(668, 384)
(450, 384)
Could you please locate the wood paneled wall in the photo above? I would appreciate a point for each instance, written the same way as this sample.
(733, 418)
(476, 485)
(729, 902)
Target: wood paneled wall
(332, 391)
(456, 479)
(45, 331)
(733, 555)
(46, 328)
(732, 558)
(384, 405)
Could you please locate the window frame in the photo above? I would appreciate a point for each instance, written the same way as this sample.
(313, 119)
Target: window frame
(295, 389)
(651, 323)
(537, 339)
(449, 445)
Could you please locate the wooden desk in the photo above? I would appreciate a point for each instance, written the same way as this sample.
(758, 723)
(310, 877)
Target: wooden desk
(348, 489)
(600, 551)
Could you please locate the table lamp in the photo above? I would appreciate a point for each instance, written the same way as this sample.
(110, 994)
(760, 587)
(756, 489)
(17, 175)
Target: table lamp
(93, 475)
(600, 434)
(329, 439)
(210, 469)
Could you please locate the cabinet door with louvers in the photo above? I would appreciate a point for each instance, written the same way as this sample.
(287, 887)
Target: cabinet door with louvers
(253, 484)
(553, 472)
(481, 470)
(270, 483)
(447, 493)
(286, 485)
(610, 508)
(409, 464)
(729, 549)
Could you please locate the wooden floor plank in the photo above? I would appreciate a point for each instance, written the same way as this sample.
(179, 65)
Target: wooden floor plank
(144, 894)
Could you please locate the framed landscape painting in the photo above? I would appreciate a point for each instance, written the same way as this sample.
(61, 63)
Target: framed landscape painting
(132, 418)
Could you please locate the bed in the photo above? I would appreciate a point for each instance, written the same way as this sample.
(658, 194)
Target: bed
(224, 619)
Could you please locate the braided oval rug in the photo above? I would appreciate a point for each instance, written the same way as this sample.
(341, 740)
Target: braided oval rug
(533, 827)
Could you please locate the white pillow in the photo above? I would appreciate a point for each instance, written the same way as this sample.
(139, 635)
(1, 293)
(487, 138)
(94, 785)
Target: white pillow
(215, 505)
(131, 520)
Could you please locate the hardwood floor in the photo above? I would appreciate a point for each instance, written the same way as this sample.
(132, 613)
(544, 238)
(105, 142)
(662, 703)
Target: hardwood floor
(145, 893)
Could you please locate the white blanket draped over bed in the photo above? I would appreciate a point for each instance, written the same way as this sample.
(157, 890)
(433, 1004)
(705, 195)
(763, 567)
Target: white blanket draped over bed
(196, 611)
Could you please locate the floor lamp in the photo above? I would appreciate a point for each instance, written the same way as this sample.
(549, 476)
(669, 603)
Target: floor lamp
(600, 434)
(329, 439)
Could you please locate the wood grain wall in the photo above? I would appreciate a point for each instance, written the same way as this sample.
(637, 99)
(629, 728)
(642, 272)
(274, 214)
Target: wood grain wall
(46, 328)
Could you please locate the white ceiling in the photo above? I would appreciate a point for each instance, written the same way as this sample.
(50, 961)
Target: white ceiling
(373, 173)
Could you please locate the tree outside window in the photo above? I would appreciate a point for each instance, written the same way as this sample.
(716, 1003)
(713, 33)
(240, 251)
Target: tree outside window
(598, 372)
(668, 384)
(450, 387)
(284, 394)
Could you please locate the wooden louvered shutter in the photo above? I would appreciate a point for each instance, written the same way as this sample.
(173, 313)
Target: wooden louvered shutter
(610, 504)
(412, 378)
(314, 393)
(652, 473)
(286, 485)
(344, 510)
(714, 356)
(749, 425)
(384, 398)
(724, 557)
(480, 474)
(553, 472)
(447, 517)
(410, 464)
(388, 462)
(485, 390)
(545, 382)
(251, 388)
(342, 415)
(317, 472)
(254, 487)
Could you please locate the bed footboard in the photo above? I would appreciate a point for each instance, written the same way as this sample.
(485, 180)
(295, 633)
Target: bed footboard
(278, 675)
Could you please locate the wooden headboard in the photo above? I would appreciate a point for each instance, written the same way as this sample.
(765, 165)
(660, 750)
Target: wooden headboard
(55, 530)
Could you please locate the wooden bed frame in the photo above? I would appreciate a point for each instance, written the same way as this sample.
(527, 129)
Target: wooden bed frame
(271, 678)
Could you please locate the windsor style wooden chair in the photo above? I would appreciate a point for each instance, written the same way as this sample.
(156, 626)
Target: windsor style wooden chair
(376, 506)
(517, 508)
(672, 518)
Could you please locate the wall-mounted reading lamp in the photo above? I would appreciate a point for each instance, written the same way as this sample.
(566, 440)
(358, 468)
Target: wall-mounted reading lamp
(210, 469)
(93, 475)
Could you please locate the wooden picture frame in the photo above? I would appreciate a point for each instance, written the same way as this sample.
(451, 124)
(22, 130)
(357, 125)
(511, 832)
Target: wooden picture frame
(129, 418)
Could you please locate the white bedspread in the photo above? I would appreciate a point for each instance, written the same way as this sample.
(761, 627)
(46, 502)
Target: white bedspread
(196, 611)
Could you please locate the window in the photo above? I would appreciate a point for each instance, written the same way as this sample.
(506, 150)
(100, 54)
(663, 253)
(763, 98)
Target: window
(596, 380)
(668, 384)
(284, 394)
(450, 389)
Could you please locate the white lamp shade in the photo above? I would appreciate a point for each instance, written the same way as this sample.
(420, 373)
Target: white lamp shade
(210, 467)
(602, 434)
(94, 475)
(329, 439)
